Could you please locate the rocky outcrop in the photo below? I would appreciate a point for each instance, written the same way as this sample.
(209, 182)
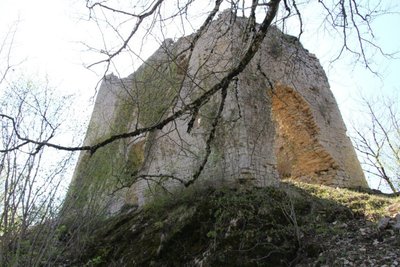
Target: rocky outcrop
(279, 120)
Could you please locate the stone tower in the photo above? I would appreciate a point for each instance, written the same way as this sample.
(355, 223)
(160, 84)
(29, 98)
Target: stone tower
(279, 120)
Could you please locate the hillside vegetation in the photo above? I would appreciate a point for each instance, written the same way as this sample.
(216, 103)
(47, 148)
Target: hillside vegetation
(294, 224)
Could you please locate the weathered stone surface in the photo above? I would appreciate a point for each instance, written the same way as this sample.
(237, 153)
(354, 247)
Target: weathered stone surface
(383, 223)
(396, 222)
(280, 119)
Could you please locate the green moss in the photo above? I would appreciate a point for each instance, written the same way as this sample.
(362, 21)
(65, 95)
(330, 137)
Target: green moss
(136, 157)
(96, 173)
(238, 228)
(274, 226)
(156, 87)
(153, 92)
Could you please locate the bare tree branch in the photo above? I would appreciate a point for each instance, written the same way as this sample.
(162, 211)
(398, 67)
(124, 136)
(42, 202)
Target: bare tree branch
(379, 145)
(196, 104)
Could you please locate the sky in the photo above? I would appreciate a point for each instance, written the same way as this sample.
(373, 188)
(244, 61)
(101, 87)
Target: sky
(47, 41)
(49, 36)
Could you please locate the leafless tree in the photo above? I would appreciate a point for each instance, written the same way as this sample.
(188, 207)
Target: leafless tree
(5, 53)
(30, 178)
(378, 141)
(125, 29)
(29, 125)
(130, 25)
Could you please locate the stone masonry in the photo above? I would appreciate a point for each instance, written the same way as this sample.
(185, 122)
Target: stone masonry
(280, 120)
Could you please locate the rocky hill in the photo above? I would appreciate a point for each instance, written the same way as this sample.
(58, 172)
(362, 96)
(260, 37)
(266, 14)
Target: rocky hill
(294, 224)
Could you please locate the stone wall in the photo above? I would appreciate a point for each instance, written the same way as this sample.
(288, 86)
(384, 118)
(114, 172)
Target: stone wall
(301, 148)
(280, 119)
